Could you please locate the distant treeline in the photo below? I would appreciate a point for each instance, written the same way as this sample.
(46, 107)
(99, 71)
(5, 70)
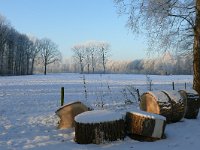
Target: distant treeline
(163, 65)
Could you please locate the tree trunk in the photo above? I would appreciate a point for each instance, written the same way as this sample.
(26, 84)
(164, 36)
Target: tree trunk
(32, 66)
(196, 49)
(88, 66)
(93, 63)
(104, 65)
(45, 68)
(27, 65)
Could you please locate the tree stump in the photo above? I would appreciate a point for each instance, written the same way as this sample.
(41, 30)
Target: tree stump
(178, 105)
(98, 126)
(193, 102)
(68, 112)
(166, 103)
(144, 126)
(157, 102)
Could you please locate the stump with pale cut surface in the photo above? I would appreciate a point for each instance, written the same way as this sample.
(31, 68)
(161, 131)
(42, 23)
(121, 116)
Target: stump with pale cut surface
(193, 102)
(156, 102)
(166, 103)
(145, 126)
(68, 112)
(99, 126)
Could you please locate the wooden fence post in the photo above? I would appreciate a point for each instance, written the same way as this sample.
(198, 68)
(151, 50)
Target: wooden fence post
(173, 86)
(62, 96)
(138, 94)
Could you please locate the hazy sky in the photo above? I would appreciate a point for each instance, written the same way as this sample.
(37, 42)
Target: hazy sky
(68, 22)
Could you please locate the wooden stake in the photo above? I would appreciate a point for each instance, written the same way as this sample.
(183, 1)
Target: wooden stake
(138, 94)
(62, 96)
(173, 86)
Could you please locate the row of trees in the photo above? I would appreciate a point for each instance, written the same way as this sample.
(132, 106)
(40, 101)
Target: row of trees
(19, 52)
(164, 65)
(91, 56)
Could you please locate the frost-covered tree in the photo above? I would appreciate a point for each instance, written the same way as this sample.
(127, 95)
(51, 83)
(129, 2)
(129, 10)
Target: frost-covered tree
(35, 50)
(79, 55)
(91, 54)
(4, 28)
(169, 24)
(104, 49)
(49, 53)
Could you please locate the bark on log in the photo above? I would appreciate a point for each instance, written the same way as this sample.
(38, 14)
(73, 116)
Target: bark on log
(68, 112)
(97, 132)
(145, 126)
(193, 102)
(166, 103)
(178, 105)
(157, 102)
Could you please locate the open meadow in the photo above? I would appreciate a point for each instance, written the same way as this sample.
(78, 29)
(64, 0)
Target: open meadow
(28, 105)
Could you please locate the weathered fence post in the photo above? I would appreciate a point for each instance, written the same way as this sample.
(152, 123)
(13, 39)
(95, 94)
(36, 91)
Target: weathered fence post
(62, 96)
(173, 86)
(138, 94)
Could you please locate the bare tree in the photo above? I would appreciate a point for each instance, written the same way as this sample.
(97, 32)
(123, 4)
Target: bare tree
(36, 47)
(4, 27)
(91, 53)
(79, 55)
(104, 53)
(49, 53)
(169, 24)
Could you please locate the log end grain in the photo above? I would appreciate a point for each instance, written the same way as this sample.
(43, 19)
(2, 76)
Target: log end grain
(145, 126)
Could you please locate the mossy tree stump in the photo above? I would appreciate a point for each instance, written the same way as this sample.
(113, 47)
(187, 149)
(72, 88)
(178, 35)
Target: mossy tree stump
(144, 126)
(98, 126)
(68, 112)
(193, 103)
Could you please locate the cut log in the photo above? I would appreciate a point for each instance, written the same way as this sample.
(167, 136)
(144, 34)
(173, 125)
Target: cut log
(166, 103)
(99, 126)
(145, 126)
(68, 112)
(157, 102)
(178, 105)
(193, 102)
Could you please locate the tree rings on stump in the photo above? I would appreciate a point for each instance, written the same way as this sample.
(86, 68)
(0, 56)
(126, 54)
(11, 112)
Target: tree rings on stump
(144, 126)
(98, 126)
(157, 102)
(193, 103)
(166, 103)
(68, 112)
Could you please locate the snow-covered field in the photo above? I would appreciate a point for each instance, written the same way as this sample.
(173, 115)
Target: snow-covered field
(28, 103)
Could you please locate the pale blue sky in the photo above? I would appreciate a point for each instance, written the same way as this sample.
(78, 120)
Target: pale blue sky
(68, 22)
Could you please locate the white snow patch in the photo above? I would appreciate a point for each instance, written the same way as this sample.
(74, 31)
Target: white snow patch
(159, 96)
(98, 116)
(148, 115)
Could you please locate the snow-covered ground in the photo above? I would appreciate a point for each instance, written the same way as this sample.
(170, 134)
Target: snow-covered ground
(28, 105)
